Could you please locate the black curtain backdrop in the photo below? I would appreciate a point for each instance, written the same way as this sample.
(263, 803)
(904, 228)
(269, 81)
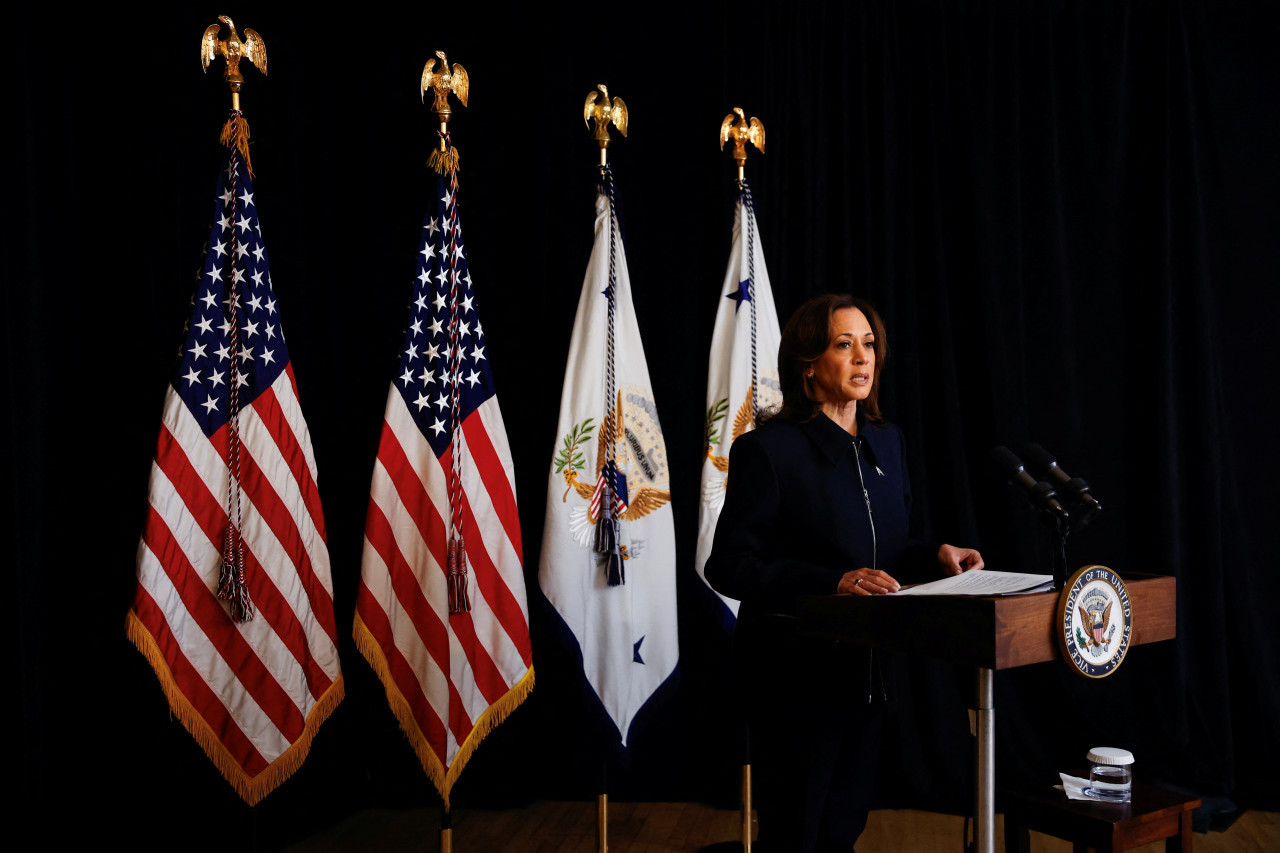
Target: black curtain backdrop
(1066, 212)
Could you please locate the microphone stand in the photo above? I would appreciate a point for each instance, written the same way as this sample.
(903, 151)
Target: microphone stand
(1058, 552)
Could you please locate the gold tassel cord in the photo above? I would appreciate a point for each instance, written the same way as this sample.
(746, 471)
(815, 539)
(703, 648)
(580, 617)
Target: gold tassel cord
(443, 162)
(235, 134)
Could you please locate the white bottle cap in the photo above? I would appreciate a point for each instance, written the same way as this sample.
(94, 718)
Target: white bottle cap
(1110, 755)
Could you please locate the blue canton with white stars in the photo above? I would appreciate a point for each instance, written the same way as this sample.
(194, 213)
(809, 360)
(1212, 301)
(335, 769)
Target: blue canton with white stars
(424, 379)
(235, 252)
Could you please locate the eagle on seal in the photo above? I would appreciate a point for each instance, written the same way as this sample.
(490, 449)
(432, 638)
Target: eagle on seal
(1098, 622)
(640, 501)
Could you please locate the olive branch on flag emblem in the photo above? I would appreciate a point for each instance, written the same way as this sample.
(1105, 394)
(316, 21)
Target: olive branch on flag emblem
(569, 461)
(715, 414)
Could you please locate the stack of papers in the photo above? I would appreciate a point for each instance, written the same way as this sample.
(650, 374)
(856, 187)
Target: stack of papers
(984, 583)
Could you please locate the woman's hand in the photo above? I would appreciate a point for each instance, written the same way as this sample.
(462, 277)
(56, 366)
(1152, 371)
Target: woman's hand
(867, 582)
(957, 560)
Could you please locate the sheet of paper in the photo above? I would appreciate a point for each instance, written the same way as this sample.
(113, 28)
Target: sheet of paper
(984, 582)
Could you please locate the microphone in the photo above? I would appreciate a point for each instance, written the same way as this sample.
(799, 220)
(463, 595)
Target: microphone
(1075, 488)
(1041, 494)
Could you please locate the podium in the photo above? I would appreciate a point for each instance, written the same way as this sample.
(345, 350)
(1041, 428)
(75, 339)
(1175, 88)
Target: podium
(988, 634)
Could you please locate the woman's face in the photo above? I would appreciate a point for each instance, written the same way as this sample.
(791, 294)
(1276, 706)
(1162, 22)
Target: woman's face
(844, 372)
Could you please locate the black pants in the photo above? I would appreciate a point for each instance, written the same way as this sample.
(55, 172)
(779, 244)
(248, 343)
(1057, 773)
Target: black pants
(815, 741)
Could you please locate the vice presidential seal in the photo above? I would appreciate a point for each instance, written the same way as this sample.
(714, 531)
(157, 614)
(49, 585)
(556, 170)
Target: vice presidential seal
(642, 482)
(1094, 621)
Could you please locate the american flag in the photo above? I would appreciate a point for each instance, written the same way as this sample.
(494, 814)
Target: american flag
(444, 473)
(253, 692)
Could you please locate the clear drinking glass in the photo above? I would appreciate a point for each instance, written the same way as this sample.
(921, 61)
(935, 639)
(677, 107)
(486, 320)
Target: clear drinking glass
(1110, 774)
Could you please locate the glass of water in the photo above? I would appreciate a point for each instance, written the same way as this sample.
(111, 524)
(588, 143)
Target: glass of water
(1110, 774)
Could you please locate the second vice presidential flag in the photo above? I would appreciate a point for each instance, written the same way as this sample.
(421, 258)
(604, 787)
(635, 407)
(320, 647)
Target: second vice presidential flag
(742, 379)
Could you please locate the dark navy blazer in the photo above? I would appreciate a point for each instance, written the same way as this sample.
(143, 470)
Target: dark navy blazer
(795, 519)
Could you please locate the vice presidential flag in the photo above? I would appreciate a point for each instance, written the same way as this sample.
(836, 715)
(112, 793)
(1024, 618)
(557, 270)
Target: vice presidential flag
(233, 507)
(742, 379)
(441, 612)
(608, 548)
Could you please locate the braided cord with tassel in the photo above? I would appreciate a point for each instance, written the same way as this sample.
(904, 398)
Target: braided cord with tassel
(232, 586)
(457, 568)
(749, 214)
(607, 529)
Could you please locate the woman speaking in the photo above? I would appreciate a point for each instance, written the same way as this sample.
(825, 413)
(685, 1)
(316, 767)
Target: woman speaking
(818, 502)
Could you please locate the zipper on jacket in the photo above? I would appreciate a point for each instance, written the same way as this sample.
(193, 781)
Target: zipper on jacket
(871, 517)
(857, 453)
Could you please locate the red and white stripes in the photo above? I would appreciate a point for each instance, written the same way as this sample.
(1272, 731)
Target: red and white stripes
(449, 678)
(251, 693)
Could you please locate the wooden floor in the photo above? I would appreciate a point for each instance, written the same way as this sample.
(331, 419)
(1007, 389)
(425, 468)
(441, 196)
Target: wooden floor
(570, 827)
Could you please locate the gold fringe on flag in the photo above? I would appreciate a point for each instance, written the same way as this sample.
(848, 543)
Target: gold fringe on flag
(442, 162)
(235, 134)
(250, 788)
(431, 764)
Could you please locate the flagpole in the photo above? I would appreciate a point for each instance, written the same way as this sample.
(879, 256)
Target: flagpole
(439, 160)
(604, 113)
(602, 822)
(444, 160)
(446, 829)
(736, 127)
(740, 130)
(602, 807)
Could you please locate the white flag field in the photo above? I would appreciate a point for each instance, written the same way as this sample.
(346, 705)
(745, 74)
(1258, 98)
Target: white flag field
(742, 378)
(625, 631)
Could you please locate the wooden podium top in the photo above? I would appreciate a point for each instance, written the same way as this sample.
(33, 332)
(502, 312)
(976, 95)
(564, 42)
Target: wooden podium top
(996, 633)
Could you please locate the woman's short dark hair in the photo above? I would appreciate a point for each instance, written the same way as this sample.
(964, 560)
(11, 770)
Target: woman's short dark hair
(805, 338)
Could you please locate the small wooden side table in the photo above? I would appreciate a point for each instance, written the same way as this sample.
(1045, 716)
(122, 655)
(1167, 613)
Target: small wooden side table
(1153, 814)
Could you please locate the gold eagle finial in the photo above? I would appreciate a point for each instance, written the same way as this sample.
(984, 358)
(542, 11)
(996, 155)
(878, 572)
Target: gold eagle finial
(741, 132)
(235, 133)
(443, 82)
(603, 113)
(252, 48)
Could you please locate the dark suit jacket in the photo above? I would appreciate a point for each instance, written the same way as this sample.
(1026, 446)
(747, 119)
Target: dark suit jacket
(795, 518)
